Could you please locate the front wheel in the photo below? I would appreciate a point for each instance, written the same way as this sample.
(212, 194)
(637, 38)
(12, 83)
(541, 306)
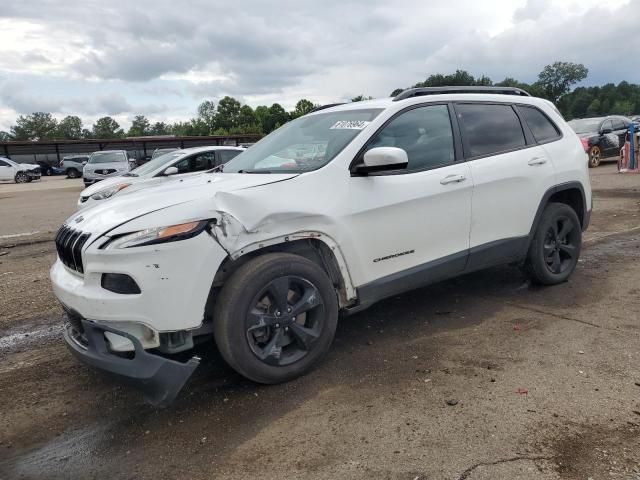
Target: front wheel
(595, 156)
(21, 177)
(556, 244)
(276, 317)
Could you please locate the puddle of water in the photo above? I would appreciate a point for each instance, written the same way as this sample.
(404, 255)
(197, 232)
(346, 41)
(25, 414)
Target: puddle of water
(22, 339)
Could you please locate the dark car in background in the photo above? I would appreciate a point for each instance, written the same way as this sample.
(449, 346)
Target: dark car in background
(602, 137)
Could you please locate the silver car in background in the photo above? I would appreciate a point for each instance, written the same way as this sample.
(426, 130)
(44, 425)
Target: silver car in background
(106, 164)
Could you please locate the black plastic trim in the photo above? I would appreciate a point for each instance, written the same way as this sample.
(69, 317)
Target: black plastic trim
(410, 279)
(160, 379)
(586, 209)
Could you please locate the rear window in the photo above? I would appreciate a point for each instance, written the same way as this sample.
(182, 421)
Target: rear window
(542, 128)
(489, 128)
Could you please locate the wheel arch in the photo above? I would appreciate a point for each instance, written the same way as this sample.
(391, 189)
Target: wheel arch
(569, 193)
(314, 246)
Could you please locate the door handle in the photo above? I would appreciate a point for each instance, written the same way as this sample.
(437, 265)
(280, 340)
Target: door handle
(537, 161)
(453, 179)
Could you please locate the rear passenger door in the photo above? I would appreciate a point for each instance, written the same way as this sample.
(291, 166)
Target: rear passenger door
(511, 172)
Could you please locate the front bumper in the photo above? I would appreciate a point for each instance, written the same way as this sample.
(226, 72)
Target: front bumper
(174, 278)
(33, 175)
(160, 379)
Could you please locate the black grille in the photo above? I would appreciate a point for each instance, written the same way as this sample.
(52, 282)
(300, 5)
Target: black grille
(106, 171)
(69, 243)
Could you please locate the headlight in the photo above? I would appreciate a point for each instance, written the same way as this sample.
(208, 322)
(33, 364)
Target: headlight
(152, 236)
(109, 192)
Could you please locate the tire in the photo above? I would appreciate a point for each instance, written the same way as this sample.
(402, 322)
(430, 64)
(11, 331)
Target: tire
(595, 156)
(556, 244)
(21, 177)
(260, 341)
(73, 173)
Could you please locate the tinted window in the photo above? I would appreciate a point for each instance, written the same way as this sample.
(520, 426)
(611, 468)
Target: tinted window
(618, 124)
(608, 124)
(225, 155)
(489, 129)
(196, 163)
(424, 133)
(541, 127)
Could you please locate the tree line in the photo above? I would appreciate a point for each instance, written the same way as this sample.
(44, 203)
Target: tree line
(229, 116)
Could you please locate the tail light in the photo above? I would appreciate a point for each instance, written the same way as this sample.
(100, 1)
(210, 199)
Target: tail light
(585, 144)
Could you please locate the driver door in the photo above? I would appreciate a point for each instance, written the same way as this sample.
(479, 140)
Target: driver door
(411, 226)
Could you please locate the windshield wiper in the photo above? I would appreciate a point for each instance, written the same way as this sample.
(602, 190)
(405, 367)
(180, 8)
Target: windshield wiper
(129, 174)
(259, 170)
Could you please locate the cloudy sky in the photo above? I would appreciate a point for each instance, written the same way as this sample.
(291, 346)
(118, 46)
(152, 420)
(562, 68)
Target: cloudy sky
(162, 58)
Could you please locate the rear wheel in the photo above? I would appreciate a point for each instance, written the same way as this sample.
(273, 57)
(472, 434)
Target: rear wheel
(21, 177)
(73, 173)
(595, 156)
(556, 245)
(276, 317)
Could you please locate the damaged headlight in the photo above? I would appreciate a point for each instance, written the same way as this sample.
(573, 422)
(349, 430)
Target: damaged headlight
(152, 236)
(109, 192)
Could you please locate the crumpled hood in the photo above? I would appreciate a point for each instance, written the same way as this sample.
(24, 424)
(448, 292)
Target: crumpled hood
(123, 208)
(28, 166)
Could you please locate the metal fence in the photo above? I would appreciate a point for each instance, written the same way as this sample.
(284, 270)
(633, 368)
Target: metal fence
(139, 148)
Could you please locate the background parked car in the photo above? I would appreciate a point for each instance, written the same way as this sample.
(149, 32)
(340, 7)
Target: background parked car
(106, 164)
(73, 165)
(18, 172)
(602, 137)
(175, 163)
(47, 170)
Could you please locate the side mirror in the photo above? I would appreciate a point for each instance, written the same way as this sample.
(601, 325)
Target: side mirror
(606, 131)
(380, 159)
(84, 163)
(171, 171)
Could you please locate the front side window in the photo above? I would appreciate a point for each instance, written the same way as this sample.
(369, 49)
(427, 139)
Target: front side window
(489, 128)
(203, 161)
(303, 145)
(424, 133)
(155, 164)
(541, 127)
(607, 125)
(618, 124)
(107, 157)
(225, 155)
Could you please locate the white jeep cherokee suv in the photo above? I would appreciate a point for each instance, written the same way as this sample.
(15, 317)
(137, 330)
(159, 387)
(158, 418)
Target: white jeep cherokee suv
(331, 212)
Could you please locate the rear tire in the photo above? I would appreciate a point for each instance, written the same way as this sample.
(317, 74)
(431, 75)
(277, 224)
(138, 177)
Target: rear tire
(73, 173)
(556, 244)
(595, 156)
(276, 317)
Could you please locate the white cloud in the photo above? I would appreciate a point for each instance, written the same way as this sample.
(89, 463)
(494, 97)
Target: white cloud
(161, 58)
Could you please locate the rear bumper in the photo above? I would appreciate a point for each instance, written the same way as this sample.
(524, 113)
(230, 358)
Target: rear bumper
(160, 379)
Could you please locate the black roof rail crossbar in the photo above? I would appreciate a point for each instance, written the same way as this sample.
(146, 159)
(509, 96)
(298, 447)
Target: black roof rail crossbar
(418, 92)
(322, 107)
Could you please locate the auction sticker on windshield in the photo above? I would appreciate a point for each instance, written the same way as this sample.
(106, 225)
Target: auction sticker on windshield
(350, 125)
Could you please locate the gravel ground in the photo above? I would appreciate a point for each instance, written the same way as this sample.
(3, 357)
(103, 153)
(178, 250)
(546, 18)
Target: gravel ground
(482, 377)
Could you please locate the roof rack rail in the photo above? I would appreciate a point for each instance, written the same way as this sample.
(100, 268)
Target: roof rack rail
(418, 92)
(322, 107)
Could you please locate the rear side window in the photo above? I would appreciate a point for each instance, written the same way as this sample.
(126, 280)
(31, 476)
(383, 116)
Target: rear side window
(489, 129)
(541, 127)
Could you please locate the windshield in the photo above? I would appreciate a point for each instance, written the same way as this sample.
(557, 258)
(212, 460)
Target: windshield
(585, 125)
(107, 157)
(156, 163)
(162, 151)
(302, 145)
